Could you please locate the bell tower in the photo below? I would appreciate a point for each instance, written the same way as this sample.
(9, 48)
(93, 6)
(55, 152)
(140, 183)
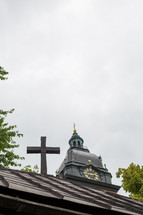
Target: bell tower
(85, 168)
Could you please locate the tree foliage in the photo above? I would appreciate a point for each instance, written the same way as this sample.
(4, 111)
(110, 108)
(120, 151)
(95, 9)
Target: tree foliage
(7, 134)
(28, 168)
(132, 180)
(3, 73)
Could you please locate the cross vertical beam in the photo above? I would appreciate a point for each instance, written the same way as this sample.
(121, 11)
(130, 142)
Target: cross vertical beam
(43, 156)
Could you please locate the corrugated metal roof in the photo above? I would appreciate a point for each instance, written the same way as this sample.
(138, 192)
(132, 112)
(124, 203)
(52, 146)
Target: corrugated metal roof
(50, 186)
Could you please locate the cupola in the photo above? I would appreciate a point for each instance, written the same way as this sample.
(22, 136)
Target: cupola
(76, 141)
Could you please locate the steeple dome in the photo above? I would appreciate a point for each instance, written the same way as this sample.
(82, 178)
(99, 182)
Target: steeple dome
(76, 141)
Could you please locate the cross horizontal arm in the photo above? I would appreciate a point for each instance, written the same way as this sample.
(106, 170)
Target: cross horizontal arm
(53, 150)
(33, 150)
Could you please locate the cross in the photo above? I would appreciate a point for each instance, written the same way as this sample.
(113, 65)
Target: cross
(43, 150)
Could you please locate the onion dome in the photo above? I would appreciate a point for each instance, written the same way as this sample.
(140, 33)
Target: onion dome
(76, 141)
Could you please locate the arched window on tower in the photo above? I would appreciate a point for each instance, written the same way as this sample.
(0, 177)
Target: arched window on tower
(79, 144)
(74, 143)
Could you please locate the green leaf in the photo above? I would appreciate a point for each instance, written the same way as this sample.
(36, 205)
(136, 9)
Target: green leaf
(8, 133)
(132, 180)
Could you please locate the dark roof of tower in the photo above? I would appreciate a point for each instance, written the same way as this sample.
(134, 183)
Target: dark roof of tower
(84, 157)
(79, 156)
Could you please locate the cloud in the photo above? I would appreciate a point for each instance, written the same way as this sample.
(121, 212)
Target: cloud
(75, 61)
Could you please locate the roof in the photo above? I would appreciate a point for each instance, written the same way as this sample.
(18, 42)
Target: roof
(83, 157)
(26, 192)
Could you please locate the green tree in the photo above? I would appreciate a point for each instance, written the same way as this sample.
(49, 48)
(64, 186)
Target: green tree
(3, 73)
(28, 168)
(7, 134)
(132, 180)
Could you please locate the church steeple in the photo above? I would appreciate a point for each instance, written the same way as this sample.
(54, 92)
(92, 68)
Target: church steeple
(82, 167)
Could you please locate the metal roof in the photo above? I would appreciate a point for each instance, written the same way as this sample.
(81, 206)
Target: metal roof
(14, 182)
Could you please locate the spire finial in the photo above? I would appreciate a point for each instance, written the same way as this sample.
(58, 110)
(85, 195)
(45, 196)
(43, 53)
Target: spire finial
(74, 130)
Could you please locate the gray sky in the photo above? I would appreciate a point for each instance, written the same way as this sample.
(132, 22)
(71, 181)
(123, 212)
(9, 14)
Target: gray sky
(75, 61)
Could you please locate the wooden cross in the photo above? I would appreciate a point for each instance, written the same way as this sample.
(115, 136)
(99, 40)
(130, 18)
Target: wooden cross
(43, 150)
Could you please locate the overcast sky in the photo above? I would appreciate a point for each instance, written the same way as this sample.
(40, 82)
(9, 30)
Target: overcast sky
(75, 61)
